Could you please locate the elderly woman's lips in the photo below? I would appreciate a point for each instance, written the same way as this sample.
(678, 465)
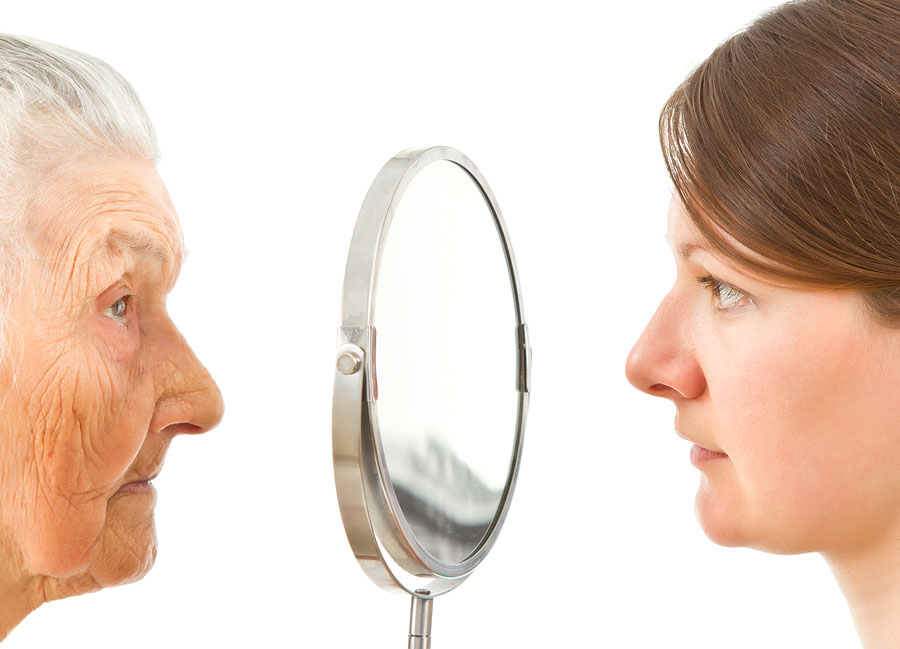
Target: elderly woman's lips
(138, 486)
(144, 486)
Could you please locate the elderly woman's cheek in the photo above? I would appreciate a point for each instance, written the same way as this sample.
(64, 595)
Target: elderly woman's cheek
(115, 340)
(65, 505)
(85, 411)
(112, 398)
(88, 427)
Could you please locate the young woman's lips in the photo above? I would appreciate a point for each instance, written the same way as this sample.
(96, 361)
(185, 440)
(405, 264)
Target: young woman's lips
(701, 455)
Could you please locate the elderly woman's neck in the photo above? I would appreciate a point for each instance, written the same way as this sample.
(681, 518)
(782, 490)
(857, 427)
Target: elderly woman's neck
(20, 593)
(870, 580)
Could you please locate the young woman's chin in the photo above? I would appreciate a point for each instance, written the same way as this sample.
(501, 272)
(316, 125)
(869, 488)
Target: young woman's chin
(720, 514)
(727, 516)
(731, 517)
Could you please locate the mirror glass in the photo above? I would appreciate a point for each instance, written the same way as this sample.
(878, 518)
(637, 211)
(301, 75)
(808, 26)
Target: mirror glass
(445, 320)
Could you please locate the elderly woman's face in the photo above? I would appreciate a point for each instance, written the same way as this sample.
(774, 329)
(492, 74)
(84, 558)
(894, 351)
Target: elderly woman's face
(791, 400)
(98, 380)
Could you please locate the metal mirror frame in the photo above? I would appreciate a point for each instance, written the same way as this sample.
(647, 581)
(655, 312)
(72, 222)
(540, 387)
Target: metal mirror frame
(376, 527)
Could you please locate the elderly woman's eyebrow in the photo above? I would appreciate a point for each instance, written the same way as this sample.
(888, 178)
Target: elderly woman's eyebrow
(138, 242)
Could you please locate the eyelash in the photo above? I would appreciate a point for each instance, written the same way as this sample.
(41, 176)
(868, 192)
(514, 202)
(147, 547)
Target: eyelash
(126, 300)
(717, 287)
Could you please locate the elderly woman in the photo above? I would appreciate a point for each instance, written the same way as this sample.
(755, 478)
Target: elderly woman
(779, 343)
(95, 378)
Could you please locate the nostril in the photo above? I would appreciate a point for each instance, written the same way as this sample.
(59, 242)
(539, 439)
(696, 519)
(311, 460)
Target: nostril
(182, 428)
(659, 389)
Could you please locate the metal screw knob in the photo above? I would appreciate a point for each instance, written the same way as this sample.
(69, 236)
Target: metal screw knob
(348, 363)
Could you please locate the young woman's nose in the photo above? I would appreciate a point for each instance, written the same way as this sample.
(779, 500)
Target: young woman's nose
(663, 362)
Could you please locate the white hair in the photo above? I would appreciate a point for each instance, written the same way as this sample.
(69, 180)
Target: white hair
(56, 105)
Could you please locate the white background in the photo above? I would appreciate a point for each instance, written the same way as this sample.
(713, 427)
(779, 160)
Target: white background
(273, 119)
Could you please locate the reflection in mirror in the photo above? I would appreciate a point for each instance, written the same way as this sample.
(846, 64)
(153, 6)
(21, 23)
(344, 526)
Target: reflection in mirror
(446, 362)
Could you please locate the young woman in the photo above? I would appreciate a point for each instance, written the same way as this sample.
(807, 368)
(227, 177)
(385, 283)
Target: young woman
(779, 343)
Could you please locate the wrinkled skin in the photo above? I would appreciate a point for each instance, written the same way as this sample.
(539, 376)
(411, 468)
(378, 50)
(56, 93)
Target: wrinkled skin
(798, 387)
(98, 387)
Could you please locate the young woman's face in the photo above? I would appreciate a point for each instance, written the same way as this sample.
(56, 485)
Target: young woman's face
(790, 396)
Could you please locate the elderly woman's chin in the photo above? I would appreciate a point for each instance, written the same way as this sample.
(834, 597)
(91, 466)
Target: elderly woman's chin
(128, 544)
(121, 551)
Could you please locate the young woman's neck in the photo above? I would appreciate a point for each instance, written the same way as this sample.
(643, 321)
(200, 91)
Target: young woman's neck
(870, 580)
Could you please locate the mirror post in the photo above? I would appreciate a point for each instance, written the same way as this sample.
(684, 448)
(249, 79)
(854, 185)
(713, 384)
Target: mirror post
(420, 621)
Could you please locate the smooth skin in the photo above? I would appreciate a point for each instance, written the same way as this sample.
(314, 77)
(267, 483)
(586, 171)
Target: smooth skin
(799, 388)
(97, 384)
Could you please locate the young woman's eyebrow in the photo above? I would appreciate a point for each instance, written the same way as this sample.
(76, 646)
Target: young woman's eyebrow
(685, 250)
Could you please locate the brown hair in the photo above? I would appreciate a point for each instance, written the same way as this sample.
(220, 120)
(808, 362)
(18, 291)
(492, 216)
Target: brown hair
(787, 139)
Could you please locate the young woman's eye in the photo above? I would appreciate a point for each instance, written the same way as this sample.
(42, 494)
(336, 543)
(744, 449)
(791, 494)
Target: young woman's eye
(119, 308)
(727, 298)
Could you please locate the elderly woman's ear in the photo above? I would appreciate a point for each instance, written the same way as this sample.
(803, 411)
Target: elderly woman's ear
(96, 380)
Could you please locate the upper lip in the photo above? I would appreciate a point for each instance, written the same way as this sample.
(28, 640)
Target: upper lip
(145, 477)
(693, 441)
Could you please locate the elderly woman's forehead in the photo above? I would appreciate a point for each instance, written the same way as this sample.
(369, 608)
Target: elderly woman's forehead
(79, 206)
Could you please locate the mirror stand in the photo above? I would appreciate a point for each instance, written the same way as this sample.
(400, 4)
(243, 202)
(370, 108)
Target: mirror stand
(420, 620)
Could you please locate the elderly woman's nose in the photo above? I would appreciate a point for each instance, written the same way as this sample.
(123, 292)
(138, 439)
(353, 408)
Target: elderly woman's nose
(190, 400)
(663, 362)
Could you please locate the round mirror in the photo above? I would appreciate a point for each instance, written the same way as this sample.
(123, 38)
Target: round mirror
(446, 325)
(431, 380)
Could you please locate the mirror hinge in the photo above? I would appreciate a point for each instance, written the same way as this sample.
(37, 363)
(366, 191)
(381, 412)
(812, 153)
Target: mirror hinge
(523, 359)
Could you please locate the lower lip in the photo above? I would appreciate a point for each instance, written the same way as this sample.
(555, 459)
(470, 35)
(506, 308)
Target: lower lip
(137, 488)
(701, 456)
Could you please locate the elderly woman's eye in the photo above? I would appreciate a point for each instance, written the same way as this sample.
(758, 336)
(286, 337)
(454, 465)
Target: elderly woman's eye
(727, 298)
(118, 308)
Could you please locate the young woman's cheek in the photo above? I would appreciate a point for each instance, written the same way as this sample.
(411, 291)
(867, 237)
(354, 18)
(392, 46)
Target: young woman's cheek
(770, 391)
